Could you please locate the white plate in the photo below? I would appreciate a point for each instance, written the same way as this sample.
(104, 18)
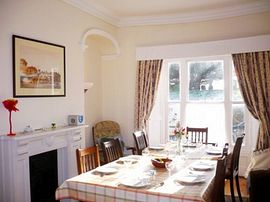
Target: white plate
(202, 166)
(214, 151)
(156, 147)
(127, 160)
(106, 170)
(190, 179)
(135, 183)
(132, 157)
(189, 145)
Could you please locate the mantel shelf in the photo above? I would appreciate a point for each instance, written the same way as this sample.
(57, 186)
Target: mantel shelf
(41, 132)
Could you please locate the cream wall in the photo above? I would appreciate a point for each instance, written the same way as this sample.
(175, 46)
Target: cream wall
(93, 96)
(97, 47)
(119, 76)
(56, 22)
(113, 93)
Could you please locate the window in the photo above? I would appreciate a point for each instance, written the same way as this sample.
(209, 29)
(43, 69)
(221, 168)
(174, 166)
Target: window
(206, 81)
(238, 109)
(204, 92)
(174, 96)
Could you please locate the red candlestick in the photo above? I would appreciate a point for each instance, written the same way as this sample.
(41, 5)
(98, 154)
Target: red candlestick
(10, 126)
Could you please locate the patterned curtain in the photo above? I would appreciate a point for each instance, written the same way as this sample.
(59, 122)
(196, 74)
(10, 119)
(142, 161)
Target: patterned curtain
(148, 74)
(253, 73)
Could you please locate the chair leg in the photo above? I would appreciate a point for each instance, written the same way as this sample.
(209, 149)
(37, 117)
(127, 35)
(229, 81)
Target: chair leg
(232, 189)
(238, 188)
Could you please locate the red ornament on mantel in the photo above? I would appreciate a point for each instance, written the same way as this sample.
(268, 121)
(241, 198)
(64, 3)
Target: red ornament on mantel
(10, 105)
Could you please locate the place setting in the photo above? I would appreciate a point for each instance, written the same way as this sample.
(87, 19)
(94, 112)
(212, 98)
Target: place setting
(214, 151)
(156, 147)
(190, 178)
(202, 166)
(138, 180)
(127, 161)
(135, 182)
(102, 170)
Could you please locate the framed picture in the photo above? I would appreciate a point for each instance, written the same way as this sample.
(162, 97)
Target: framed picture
(38, 68)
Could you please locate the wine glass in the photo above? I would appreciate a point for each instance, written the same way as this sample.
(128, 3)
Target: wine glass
(145, 152)
(127, 162)
(169, 165)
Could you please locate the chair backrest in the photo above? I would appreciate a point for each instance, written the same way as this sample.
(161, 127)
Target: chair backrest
(105, 130)
(87, 159)
(140, 141)
(198, 135)
(111, 150)
(217, 193)
(259, 185)
(225, 150)
(234, 163)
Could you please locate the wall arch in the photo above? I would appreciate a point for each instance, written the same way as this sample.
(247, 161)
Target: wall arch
(104, 34)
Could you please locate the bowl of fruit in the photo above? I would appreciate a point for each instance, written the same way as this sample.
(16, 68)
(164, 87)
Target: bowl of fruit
(160, 162)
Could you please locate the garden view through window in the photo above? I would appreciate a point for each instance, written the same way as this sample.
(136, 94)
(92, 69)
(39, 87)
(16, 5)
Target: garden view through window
(205, 93)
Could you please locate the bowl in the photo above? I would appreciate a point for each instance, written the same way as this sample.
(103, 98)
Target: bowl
(160, 162)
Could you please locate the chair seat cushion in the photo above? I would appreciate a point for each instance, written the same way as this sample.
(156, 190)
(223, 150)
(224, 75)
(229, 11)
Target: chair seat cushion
(259, 161)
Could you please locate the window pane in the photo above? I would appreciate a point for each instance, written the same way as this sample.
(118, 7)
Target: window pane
(236, 94)
(206, 81)
(174, 82)
(238, 120)
(208, 115)
(174, 116)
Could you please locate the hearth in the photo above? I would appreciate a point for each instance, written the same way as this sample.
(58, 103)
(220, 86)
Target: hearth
(43, 176)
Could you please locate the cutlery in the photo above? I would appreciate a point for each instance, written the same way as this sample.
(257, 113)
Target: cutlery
(159, 185)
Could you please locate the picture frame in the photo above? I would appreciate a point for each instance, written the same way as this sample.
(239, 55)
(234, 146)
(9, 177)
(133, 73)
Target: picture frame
(38, 68)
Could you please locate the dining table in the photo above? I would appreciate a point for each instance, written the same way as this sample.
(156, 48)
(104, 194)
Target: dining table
(134, 178)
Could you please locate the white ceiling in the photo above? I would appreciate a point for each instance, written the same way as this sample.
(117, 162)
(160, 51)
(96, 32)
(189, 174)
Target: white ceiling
(151, 12)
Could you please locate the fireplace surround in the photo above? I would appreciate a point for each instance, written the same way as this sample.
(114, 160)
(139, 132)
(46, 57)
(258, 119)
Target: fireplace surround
(16, 151)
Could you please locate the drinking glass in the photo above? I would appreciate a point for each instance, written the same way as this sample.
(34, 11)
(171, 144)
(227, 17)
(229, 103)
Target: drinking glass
(145, 152)
(127, 162)
(169, 166)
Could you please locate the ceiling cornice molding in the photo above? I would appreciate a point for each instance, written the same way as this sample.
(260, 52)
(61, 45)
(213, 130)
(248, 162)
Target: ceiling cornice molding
(109, 17)
(100, 13)
(197, 16)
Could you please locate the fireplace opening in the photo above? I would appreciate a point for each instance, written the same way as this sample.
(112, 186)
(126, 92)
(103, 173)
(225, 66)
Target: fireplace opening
(43, 176)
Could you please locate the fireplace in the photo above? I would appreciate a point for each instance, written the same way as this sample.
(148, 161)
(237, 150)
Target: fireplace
(43, 176)
(27, 153)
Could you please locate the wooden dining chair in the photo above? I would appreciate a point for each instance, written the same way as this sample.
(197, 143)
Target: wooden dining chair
(140, 141)
(198, 135)
(217, 194)
(107, 130)
(87, 159)
(232, 169)
(111, 150)
(225, 150)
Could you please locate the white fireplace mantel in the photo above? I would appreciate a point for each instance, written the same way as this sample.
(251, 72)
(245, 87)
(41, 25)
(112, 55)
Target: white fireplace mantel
(15, 152)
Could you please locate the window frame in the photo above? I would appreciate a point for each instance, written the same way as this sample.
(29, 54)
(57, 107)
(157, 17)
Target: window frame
(184, 85)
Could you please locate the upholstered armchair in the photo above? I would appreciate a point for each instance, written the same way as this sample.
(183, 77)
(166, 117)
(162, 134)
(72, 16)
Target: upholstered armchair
(107, 130)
